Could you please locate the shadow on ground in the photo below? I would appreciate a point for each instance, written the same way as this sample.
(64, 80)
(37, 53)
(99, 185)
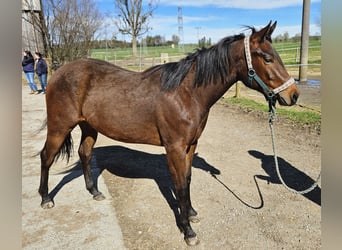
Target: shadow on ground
(292, 176)
(129, 163)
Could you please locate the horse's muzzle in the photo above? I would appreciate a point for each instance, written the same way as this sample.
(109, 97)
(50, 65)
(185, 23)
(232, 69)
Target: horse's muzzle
(286, 99)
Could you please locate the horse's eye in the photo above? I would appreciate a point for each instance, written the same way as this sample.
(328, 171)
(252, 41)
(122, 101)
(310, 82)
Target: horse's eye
(268, 59)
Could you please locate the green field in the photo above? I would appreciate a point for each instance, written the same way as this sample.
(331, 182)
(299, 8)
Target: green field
(126, 53)
(288, 51)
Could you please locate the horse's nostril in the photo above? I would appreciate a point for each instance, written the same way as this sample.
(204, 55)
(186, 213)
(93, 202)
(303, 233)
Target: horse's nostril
(294, 98)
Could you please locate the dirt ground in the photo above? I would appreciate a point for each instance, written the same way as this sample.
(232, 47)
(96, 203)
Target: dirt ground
(235, 189)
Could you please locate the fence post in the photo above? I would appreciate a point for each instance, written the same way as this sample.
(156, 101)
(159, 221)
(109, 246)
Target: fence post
(303, 69)
(238, 89)
(296, 59)
(164, 58)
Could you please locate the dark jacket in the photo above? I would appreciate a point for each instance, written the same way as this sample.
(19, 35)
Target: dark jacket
(28, 64)
(41, 67)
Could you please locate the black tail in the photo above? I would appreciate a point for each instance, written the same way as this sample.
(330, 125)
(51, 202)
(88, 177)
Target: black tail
(66, 149)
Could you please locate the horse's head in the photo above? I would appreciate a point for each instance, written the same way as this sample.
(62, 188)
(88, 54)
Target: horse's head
(265, 70)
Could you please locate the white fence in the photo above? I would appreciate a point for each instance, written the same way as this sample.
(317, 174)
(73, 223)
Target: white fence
(289, 56)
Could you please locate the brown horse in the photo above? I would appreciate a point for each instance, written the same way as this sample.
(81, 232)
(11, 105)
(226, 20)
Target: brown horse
(166, 105)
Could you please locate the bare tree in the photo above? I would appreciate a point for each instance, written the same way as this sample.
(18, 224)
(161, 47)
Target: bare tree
(71, 25)
(67, 27)
(175, 39)
(132, 18)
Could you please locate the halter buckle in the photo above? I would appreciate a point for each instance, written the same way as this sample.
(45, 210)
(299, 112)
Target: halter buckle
(270, 94)
(251, 72)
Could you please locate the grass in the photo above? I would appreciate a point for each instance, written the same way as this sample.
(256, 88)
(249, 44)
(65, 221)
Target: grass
(126, 53)
(302, 118)
(288, 51)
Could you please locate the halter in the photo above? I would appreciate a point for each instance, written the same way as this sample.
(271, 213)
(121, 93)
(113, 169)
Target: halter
(270, 94)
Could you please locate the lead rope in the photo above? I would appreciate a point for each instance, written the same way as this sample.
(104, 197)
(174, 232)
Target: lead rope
(271, 119)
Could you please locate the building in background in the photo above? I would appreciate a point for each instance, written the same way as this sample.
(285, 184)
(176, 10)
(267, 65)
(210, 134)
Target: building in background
(31, 34)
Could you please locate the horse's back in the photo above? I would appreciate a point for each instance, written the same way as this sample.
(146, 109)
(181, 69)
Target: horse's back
(72, 73)
(84, 77)
(114, 101)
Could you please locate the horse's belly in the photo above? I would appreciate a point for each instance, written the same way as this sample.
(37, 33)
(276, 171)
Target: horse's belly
(130, 132)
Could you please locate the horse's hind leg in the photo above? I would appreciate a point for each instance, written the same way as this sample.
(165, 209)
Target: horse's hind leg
(89, 136)
(51, 148)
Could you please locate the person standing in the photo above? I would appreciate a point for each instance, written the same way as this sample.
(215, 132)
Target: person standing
(41, 70)
(28, 68)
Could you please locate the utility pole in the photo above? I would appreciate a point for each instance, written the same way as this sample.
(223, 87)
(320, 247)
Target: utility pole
(106, 42)
(198, 39)
(303, 68)
(180, 30)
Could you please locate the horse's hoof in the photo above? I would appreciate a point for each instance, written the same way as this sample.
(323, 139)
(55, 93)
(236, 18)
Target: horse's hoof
(47, 204)
(193, 241)
(99, 197)
(194, 219)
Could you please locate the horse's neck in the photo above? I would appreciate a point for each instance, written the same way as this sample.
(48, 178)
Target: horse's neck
(208, 95)
(211, 93)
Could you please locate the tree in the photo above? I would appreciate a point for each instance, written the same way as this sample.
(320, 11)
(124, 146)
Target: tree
(67, 28)
(204, 42)
(279, 38)
(132, 19)
(71, 26)
(175, 39)
(159, 40)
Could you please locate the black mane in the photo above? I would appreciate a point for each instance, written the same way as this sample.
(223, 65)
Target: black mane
(212, 65)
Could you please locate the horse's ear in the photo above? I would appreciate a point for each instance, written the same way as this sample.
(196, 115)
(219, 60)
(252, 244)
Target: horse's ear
(272, 28)
(266, 32)
(270, 31)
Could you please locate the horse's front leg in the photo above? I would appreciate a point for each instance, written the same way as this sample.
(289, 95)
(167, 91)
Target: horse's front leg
(192, 214)
(181, 173)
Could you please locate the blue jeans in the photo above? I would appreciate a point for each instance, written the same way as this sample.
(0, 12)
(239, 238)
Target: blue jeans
(43, 81)
(30, 79)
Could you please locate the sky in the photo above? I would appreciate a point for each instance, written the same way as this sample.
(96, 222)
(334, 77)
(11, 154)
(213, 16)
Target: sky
(216, 19)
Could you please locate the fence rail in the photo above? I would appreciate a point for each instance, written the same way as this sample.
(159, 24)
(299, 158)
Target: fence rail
(289, 56)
